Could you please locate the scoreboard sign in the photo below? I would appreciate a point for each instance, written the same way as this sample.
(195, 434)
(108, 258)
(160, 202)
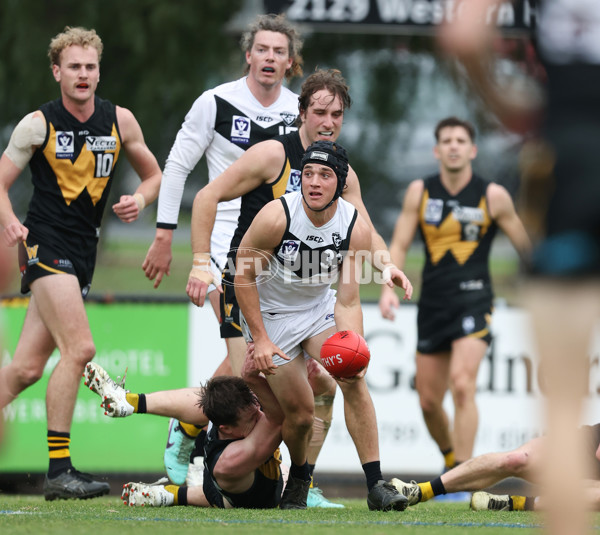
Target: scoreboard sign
(396, 16)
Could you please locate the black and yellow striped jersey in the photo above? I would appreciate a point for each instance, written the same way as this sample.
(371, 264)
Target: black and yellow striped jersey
(457, 231)
(72, 170)
(288, 180)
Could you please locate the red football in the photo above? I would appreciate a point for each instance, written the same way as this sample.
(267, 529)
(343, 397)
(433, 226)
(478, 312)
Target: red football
(345, 353)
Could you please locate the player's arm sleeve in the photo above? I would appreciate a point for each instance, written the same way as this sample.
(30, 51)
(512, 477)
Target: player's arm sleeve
(195, 135)
(28, 134)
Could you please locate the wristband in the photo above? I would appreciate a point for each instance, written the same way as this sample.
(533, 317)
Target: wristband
(140, 201)
(201, 269)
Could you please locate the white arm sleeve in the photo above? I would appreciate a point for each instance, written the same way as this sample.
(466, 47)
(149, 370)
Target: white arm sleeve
(195, 135)
(28, 134)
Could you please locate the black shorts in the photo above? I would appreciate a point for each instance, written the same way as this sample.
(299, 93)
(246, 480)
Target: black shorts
(45, 254)
(230, 310)
(211, 493)
(438, 327)
(264, 494)
(591, 441)
(571, 245)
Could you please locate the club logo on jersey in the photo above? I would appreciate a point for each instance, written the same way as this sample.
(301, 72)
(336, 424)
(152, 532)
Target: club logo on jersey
(288, 118)
(433, 211)
(288, 251)
(468, 324)
(294, 182)
(470, 232)
(337, 240)
(227, 309)
(65, 145)
(32, 255)
(101, 143)
(240, 129)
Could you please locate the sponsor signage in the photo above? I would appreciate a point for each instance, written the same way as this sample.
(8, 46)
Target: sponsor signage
(396, 16)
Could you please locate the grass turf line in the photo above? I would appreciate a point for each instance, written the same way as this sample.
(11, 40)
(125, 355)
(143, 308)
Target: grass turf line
(31, 514)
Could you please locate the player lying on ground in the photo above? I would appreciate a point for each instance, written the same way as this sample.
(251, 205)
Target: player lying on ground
(242, 460)
(486, 470)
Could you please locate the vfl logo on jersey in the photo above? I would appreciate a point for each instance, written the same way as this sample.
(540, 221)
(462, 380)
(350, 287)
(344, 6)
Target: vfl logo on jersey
(294, 182)
(288, 118)
(288, 251)
(240, 129)
(32, 255)
(101, 143)
(65, 145)
(433, 211)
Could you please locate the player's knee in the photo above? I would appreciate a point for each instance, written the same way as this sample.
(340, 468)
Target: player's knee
(429, 404)
(301, 419)
(515, 462)
(463, 390)
(83, 352)
(26, 376)
(320, 380)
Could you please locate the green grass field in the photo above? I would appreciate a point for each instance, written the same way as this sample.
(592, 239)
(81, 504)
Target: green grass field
(31, 514)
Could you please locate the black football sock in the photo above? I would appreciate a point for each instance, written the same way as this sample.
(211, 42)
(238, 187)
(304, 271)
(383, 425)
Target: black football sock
(58, 452)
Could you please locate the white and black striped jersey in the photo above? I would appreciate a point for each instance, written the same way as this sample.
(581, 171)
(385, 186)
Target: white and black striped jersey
(307, 260)
(222, 123)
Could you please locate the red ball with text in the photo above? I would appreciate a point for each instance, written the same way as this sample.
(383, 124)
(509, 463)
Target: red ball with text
(345, 353)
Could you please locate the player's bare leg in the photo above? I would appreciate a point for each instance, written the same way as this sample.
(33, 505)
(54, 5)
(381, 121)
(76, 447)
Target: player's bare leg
(432, 383)
(467, 354)
(236, 351)
(564, 315)
(57, 306)
(324, 389)
(33, 350)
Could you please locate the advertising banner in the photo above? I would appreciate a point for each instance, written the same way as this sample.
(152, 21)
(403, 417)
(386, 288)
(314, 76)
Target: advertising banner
(150, 342)
(396, 16)
(165, 346)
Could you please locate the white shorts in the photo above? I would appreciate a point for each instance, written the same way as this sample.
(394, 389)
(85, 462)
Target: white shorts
(288, 330)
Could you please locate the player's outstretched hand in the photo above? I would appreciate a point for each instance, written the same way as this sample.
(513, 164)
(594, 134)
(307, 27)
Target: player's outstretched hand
(157, 263)
(388, 303)
(395, 276)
